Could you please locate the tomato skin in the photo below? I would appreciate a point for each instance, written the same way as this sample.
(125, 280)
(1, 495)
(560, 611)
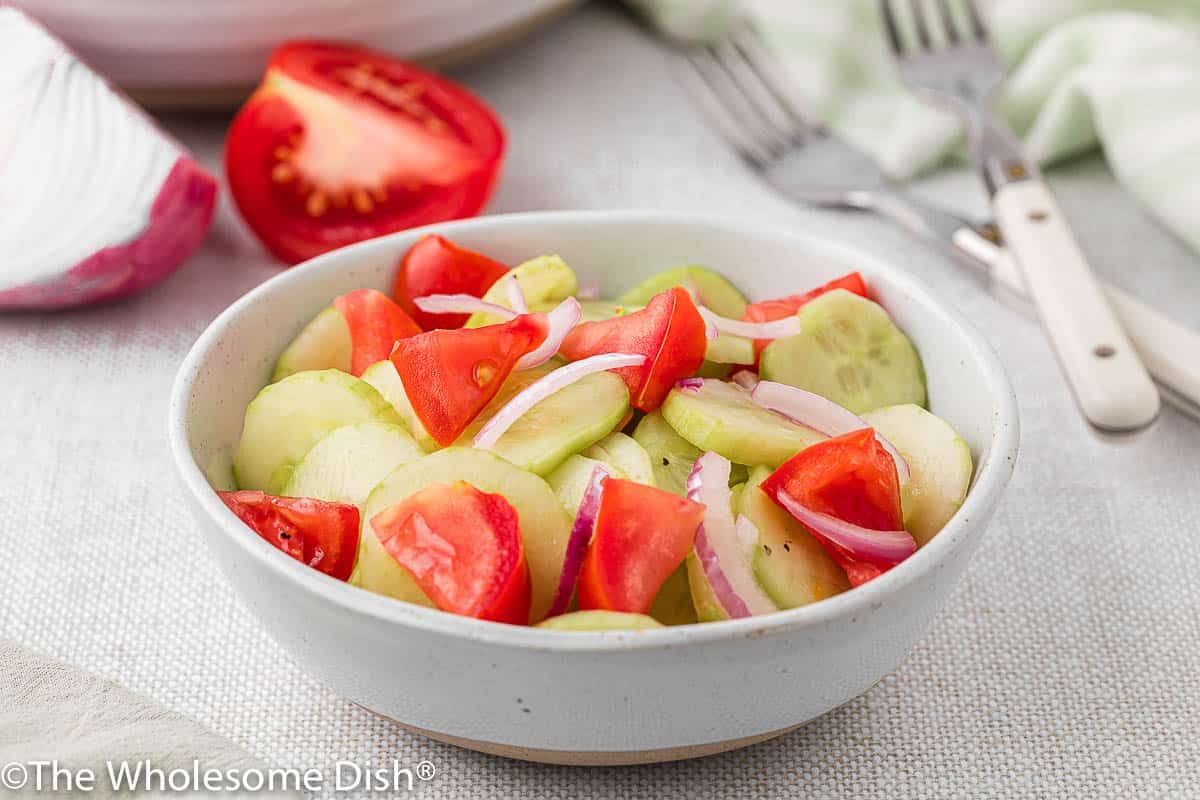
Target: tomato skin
(428, 113)
(436, 265)
(463, 548)
(314, 532)
(375, 323)
(851, 477)
(669, 331)
(783, 307)
(450, 375)
(642, 534)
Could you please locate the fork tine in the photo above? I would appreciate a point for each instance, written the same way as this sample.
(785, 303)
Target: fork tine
(768, 69)
(774, 122)
(923, 31)
(891, 28)
(948, 23)
(697, 71)
(977, 26)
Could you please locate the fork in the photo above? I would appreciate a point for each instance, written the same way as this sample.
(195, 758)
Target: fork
(950, 61)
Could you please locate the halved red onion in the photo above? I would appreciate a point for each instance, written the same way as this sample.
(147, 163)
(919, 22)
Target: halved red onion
(821, 414)
(516, 297)
(775, 329)
(589, 292)
(745, 379)
(562, 319)
(461, 304)
(545, 386)
(885, 548)
(720, 542)
(581, 536)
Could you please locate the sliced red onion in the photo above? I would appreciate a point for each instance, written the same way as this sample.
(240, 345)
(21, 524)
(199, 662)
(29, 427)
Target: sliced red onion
(720, 542)
(745, 379)
(689, 384)
(516, 297)
(711, 331)
(461, 304)
(581, 536)
(562, 319)
(885, 548)
(821, 414)
(589, 292)
(775, 329)
(545, 386)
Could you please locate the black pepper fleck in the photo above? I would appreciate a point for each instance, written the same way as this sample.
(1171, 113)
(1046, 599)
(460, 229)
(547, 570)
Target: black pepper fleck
(787, 546)
(666, 462)
(767, 549)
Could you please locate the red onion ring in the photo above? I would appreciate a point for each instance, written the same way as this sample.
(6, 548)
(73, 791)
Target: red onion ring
(581, 536)
(885, 548)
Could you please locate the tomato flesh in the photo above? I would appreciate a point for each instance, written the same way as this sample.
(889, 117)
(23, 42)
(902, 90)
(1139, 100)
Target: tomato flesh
(783, 307)
(375, 323)
(340, 144)
(450, 375)
(314, 532)
(851, 477)
(436, 265)
(463, 548)
(669, 331)
(642, 535)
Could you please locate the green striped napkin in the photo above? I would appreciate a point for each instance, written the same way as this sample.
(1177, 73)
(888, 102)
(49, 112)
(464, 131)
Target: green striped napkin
(1122, 76)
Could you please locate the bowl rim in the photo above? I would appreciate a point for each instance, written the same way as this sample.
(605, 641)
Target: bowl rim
(991, 476)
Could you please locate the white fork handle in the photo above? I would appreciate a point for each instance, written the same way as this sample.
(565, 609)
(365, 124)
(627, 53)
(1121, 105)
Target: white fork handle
(1111, 386)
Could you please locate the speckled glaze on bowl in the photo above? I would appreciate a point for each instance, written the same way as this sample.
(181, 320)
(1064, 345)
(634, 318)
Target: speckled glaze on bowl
(607, 697)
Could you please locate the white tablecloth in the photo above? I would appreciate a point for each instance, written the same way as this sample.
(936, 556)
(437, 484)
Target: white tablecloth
(1067, 664)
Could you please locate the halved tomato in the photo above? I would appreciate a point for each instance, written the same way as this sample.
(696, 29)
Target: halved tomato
(783, 307)
(340, 144)
(463, 548)
(669, 331)
(375, 324)
(322, 535)
(436, 265)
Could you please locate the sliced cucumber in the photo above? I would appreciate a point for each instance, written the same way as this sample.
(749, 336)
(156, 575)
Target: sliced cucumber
(568, 421)
(324, 343)
(721, 417)
(347, 463)
(287, 418)
(792, 567)
(671, 456)
(596, 620)
(545, 281)
(624, 453)
(545, 527)
(708, 607)
(730, 349)
(849, 351)
(939, 460)
(597, 310)
(383, 376)
(709, 288)
(569, 480)
(673, 603)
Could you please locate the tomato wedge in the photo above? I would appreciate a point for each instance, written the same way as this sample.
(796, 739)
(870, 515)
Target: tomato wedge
(783, 307)
(669, 331)
(340, 144)
(450, 375)
(463, 548)
(851, 477)
(322, 535)
(436, 265)
(642, 534)
(375, 323)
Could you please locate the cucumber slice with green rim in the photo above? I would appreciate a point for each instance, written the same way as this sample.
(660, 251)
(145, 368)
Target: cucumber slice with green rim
(287, 418)
(383, 376)
(791, 566)
(721, 417)
(939, 462)
(545, 527)
(568, 421)
(730, 349)
(596, 620)
(323, 344)
(347, 463)
(849, 351)
(545, 281)
(597, 310)
(671, 456)
(624, 453)
(570, 479)
(708, 607)
(709, 288)
(673, 603)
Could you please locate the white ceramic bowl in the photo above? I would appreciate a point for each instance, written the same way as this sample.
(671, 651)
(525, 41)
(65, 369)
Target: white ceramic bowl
(613, 696)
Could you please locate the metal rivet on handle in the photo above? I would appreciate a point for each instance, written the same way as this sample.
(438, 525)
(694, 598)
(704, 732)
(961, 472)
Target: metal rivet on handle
(1038, 216)
(1105, 351)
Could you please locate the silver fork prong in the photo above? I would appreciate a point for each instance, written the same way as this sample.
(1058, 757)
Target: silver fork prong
(700, 74)
(977, 26)
(775, 124)
(924, 35)
(891, 27)
(948, 23)
(770, 72)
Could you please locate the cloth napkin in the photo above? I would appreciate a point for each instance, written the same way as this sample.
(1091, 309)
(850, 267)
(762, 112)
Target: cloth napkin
(1122, 76)
(52, 711)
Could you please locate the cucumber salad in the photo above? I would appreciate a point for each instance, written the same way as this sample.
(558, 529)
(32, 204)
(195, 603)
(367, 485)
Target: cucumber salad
(503, 444)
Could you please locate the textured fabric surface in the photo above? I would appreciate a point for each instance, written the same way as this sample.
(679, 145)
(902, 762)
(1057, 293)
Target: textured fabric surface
(1066, 664)
(1120, 74)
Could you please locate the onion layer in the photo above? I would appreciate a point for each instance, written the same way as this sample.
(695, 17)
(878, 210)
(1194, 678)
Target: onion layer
(581, 536)
(745, 379)
(884, 548)
(516, 297)
(562, 319)
(545, 386)
(461, 304)
(775, 329)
